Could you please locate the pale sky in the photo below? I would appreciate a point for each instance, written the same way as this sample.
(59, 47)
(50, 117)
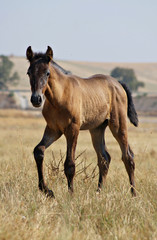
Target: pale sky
(82, 30)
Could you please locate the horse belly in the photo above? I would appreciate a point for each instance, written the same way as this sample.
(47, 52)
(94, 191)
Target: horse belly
(93, 119)
(95, 107)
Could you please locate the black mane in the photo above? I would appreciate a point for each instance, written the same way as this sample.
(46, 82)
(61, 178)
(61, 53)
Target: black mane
(60, 68)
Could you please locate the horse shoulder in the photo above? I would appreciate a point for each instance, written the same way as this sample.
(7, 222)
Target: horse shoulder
(48, 113)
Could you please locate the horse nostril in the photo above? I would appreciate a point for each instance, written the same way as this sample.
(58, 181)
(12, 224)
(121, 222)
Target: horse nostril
(39, 99)
(32, 99)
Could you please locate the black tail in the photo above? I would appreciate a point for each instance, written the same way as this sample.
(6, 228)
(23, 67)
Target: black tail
(132, 115)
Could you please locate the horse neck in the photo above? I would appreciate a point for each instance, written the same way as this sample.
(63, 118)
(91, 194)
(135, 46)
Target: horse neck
(55, 86)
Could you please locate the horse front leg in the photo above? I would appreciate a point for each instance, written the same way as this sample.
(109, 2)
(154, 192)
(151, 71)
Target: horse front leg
(48, 138)
(71, 135)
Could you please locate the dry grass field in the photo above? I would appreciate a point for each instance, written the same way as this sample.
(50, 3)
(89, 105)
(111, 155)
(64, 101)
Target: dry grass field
(25, 213)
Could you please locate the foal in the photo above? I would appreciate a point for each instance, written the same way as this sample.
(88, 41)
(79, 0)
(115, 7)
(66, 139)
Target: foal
(73, 104)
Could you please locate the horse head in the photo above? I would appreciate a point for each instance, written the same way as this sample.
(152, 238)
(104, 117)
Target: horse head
(38, 73)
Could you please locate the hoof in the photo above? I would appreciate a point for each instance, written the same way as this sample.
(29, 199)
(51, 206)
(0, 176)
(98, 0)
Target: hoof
(98, 191)
(49, 194)
(133, 192)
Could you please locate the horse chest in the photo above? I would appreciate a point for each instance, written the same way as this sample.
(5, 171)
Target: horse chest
(56, 120)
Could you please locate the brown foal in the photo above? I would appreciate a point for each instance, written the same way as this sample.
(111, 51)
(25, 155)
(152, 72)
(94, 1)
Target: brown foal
(73, 104)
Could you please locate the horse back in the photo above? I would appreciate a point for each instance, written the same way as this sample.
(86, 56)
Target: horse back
(101, 95)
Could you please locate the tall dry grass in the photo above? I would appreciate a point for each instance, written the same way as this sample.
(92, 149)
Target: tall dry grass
(25, 213)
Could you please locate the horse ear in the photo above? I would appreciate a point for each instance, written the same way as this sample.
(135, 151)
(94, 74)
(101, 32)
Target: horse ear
(49, 53)
(29, 53)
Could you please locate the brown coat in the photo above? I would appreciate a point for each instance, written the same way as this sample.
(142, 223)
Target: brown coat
(72, 104)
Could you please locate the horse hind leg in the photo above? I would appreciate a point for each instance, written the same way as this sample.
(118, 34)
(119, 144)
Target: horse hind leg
(71, 135)
(103, 164)
(120, 133)
(102, 154)
(129, 163)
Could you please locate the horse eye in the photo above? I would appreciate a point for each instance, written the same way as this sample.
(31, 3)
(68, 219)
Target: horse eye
(48, 74)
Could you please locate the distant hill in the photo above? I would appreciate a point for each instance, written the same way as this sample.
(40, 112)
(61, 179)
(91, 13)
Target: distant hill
(146, 72)
(145, 101)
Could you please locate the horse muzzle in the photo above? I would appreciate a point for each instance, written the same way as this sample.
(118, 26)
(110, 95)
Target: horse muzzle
(36, 100)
